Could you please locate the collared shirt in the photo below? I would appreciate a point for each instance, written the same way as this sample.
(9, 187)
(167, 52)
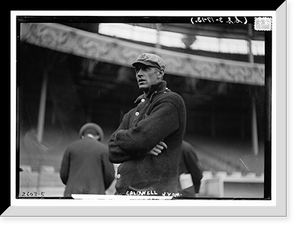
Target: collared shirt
(145, 100)
(154, 89)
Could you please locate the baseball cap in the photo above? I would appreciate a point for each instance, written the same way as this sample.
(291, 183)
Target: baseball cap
(94, 127)
(150, 60)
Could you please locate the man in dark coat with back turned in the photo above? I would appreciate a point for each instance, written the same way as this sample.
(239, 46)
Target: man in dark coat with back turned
(85, 168)
(147, 142)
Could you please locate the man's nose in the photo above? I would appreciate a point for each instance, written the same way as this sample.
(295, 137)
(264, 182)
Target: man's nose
(139, 73)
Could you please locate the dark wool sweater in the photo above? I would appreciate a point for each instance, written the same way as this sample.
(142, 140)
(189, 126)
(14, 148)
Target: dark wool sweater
(159, 116)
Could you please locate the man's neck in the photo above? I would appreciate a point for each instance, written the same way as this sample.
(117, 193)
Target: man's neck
(91, 136)
(152, 88)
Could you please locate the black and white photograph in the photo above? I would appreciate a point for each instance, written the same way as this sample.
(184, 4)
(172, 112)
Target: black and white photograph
(175, 109)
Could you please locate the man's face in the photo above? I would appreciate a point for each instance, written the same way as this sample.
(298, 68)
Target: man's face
(147, 76)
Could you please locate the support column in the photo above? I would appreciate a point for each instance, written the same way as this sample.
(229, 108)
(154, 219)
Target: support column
(254, 129)
(213, 125)
(158, 29)
(254, 119)
(243, 127)
(250, 54)
(89, 111)
(42, 108)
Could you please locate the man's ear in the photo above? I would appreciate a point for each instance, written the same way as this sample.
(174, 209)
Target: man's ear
(160, 74)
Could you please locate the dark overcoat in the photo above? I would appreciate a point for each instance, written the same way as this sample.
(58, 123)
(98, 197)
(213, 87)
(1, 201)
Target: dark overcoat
(85, 168)
(159, 116)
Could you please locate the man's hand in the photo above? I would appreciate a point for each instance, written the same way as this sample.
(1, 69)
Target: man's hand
(158, 148)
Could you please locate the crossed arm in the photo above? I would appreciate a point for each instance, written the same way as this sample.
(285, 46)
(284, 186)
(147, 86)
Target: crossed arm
(146, 137)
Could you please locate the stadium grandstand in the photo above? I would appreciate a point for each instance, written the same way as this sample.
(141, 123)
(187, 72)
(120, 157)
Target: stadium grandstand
(70, 73)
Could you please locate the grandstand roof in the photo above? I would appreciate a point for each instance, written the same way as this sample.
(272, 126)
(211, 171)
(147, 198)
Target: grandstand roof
(113, 50)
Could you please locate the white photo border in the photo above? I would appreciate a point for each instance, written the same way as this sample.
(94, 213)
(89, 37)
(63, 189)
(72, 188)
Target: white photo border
(276, 207)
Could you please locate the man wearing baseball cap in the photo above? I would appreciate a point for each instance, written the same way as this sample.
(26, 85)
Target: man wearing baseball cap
(147, 142)
(85, 167)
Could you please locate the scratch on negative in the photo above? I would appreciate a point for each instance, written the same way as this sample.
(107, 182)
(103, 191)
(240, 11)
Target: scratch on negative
(246, 166)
